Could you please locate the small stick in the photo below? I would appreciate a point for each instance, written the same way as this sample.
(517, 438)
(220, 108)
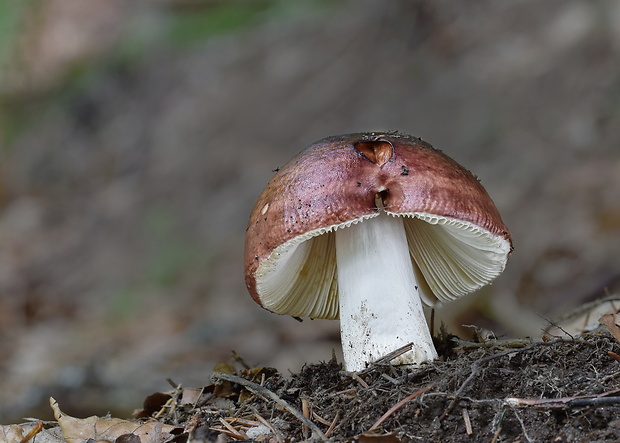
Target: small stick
(240, 360)
(496, 435)
(390, 379)
(357, 378)
(264, 392)
(527, 437)
(38, 427)
(320, 419)
(238, 433)
(399, 405)
(333, 425)
(498, 419)
(305, 410)
(225, 431)
(603, 401)
(605, 398)
(349, 391)
(169, 405)
(266, 423)
(467, 421)
(386, 359)
(613, 355)
(202, 390)
(244, 422)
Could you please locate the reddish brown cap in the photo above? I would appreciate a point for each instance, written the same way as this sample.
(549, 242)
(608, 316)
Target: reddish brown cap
(456, 237)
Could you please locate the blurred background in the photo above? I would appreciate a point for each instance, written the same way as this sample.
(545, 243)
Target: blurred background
(135, 137)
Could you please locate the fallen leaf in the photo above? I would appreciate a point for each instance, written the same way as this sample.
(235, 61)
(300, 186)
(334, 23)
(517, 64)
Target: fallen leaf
(27, 431)
(78, 430)
(152, 404)
(191, 396)
(610, 321)
(128, 438)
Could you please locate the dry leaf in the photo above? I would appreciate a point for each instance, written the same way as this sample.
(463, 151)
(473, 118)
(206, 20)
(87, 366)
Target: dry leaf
(152, 404)
(78, 430)
(610, 321)
(27, 431)
(191, 396)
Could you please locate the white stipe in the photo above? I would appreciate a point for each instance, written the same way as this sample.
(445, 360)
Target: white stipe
(380, 309)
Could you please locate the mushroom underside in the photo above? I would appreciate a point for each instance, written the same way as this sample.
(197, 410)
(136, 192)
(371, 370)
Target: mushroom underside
(449, 258)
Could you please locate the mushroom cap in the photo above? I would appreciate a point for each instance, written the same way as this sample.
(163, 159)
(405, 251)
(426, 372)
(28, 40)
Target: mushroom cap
(457, 240)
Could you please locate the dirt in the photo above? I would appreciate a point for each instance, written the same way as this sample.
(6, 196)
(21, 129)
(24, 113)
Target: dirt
(460, 397)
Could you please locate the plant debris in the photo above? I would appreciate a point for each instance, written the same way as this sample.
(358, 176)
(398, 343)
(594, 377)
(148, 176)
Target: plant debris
(560, 389)
(556, 389)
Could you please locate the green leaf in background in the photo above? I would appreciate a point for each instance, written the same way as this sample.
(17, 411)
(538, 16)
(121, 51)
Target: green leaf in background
(197, 24)
(10, 13)
(194, 24)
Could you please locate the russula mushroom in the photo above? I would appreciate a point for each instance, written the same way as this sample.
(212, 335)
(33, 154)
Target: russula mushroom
(363, 227)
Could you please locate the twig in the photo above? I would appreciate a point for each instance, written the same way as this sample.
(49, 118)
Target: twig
(320, 419)
(202, 390)
(386, 359)
(527, 437)
(586, 308)
(332, 425)
(240, 360)
(237, 433)
(614, 355)
(351, 390)
(357, 378)
(261, 419)
(264, 392)
(497, 421)
(496, 435)
(38, 427)
(305, 410)
(467, 421)
(244, 422)
(553, 324)
(225, 431)
(169, 406)
(390, 379)
(610, 377)
(397, 406)
(603, 399)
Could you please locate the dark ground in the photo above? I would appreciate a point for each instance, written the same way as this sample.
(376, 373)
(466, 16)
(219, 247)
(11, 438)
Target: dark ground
(552, 390)
(136, 136)
(472, 382)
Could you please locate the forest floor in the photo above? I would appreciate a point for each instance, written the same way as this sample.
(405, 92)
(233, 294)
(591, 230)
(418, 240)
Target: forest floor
(556, 389)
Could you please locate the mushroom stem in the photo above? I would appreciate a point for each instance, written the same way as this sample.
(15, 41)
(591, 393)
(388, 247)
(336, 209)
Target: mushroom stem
(380, 309)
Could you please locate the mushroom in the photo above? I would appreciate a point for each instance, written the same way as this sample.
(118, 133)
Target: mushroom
(365, 227)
